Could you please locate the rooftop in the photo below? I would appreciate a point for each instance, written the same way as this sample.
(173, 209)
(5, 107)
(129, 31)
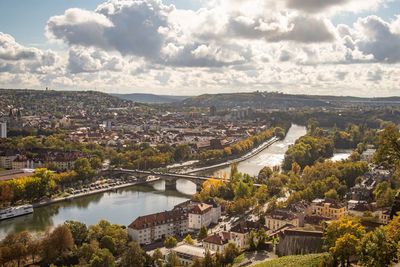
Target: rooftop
(193, 251)
(221, 238)
(158, 219)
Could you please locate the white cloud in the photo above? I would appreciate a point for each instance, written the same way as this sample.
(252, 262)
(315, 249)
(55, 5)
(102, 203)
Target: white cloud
(15, 57)
(334, 6)
(378, 38)
(228, 45)
(91, 60)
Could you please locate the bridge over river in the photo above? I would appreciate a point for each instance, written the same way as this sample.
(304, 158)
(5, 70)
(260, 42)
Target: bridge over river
(148, 177)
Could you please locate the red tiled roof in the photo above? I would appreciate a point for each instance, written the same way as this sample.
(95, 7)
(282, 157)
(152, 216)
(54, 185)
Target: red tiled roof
(158, 219)
(201, 208)
(218, 238)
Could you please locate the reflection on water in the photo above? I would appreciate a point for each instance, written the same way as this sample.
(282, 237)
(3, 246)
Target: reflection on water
(120, 207)
(271, 156)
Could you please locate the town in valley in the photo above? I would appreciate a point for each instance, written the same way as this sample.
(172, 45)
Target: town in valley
(200, 133)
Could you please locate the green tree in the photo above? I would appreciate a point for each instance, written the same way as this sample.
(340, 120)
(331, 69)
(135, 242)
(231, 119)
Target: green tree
(384, 194)
(331, 194)
(83, 168)
(102, 258)
(173, 260)
(108, 243)
(209, 260)
(95, 163)
(262, 238)
(345, 247)
(252, 240)
(264, 174)
(182, 152)
(230, 253)
(202, 233)
(188, 240)
(78, 230)
(158, 258)
(348, 231)
(388, 151)
(170, 242)
(134, 256)
(376, 249)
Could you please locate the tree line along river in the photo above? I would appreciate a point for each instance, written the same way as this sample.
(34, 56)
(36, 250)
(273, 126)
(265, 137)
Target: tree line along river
(124, 205)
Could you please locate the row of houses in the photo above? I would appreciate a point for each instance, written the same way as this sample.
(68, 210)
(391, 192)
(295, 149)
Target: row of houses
(217, 242)
(61, 160)
(321, 210)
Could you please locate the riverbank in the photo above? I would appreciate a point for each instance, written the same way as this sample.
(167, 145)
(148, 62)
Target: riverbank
(85, 194)
(247, 156)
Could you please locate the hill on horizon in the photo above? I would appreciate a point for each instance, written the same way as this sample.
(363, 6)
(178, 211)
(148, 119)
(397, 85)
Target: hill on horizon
(281, 100)
(151, 98)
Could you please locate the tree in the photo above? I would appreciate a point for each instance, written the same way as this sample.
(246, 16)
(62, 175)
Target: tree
(230, 253)
(280, 133)
(262, 238)
(157, 258)
(102, 258)
(116, 232)
(252, 240)
(182, 152)
(86, 251)
(134, 256)
(345, 247)
(331, 194)
(18, 245)
(78, 230)
(188, 240)
(95, 163)
(108, 243)
(264, 174)
(384, 194)
(57, 243)
(208, 260)
(83, 168)
(262, 195)
(242, 190)
(173, 260)
(376, 249)
(349, 231)
(202, 233)
(388, 151)
(170, 242)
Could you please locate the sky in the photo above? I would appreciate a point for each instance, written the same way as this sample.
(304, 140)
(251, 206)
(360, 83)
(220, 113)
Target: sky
(192, 47)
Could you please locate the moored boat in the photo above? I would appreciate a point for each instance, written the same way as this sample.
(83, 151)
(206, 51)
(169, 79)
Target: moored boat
(13, 212)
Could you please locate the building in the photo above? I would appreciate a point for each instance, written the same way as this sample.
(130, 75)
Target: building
(6, 159)
(219, 241)
(203, 214)
(330, 209)
(298, 242)
(150, 228)
(279, 218)
(243, 229)
(187, 253)
(3, 129)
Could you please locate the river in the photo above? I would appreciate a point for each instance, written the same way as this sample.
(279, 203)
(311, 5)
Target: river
(120, 207)
(271, 156)
(123, 206)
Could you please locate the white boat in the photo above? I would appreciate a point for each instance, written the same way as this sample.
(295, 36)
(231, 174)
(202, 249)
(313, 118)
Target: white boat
(15, 212)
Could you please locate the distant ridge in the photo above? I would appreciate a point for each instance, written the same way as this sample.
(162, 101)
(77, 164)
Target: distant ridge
(280, 100)
(151, 98)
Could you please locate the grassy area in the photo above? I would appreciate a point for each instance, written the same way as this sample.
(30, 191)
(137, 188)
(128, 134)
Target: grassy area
(310, 260)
